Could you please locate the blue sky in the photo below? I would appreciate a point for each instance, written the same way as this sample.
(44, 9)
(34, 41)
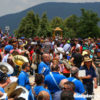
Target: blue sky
(13, 6)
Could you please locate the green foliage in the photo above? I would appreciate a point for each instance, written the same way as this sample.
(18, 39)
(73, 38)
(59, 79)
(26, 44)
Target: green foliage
(84, 26)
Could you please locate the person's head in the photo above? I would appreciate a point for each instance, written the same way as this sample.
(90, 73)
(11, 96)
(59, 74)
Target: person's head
(87, 61)
(67, 95)
(74, 71)
(46, 57)
(55, 68)
(62, 82)
(69, 85)
(77, 50)
(43, 95)
(26, 67)
(3, 77)
(39, 79)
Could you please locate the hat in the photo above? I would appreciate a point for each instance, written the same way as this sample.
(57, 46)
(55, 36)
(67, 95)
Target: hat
(8, 47)
(84, 53)
(6, 68)
(87, 59)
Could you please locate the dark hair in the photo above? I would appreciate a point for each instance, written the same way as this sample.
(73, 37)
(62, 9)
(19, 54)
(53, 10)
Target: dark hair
(67, 95)
(55, 68)
(39, 78)
(19, 98)
(71, 85)
(3, 77)
(25, 65)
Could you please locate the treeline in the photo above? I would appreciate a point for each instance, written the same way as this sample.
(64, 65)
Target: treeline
(73, 26)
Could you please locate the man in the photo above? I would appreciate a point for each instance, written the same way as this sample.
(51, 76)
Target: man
(43, 95)
(53, 79)
(77, 58)
(44, 66)
(57, 95)
(33, 93)
(90, 76)
(71, 86)
(67, 47)
(74, 78)
(23, 78)
(67, 95)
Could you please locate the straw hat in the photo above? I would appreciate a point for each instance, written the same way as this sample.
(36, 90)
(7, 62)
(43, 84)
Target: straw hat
(87, 59)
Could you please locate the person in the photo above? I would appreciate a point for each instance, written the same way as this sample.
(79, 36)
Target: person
(77, 58)
(43, 95)
(4, 81)
(90, 76)
(33, 93)
(71, 86)
(57, 95)
(79, 87)
(67, 95)
(23, 78)
(53, 79)
(44, 66)
(96, 59)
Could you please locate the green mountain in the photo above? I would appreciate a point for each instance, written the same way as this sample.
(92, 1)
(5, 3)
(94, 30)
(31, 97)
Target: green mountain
(52, 9)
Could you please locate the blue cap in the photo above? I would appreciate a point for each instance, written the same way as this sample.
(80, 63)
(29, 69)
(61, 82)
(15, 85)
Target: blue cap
(8, 47)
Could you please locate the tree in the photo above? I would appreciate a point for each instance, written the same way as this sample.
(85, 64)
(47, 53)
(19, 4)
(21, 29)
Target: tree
(28, 26)
(88, 25)
(44, 26)
(72, 24)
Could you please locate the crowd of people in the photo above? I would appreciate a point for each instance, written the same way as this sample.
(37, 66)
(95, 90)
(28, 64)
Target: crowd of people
(48, 69)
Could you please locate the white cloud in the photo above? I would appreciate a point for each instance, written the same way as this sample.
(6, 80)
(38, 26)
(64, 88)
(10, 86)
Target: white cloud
(12, 6)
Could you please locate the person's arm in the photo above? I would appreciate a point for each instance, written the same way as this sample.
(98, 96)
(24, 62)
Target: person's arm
(95, 82)
(85, 77)
(93, 65)
(71, 60)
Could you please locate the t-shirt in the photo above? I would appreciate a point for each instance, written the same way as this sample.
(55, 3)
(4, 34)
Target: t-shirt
(37, 90)
(50, 82)
(78, 85)
(23, 80)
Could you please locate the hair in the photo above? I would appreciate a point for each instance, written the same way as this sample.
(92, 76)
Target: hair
(55, 68)
(70, 85)
(19, 98)
(25, 65)
(74, 70)
(67, 95)
(39, 79)
(43, 95)
(3, 77)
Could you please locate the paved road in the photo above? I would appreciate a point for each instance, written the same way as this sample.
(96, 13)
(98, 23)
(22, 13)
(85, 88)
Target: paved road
(97, 93)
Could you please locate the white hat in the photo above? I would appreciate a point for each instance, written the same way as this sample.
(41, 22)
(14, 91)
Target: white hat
(7, 66)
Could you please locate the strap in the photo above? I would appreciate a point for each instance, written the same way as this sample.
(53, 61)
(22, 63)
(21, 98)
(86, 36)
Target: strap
(54, 80)
(33, 93)
(74, 80)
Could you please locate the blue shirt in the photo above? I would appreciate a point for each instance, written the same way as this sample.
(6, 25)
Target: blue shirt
(44, 68)
(37, 90)
(79, 87)
(91, 72)
(23, 80)
(50, 82)
(3, 91)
